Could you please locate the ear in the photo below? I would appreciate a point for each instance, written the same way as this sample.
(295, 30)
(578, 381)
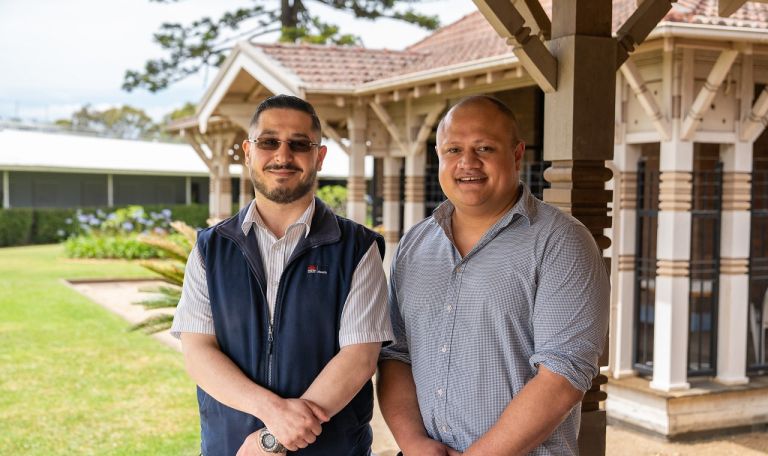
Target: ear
(321, 151)
(246, 152)
(519, 152)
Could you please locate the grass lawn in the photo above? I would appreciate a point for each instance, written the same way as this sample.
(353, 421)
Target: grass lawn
(73, 379)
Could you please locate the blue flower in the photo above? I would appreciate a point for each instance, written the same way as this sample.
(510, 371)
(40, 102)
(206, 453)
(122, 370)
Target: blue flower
(94, 222)
(128, 226)
(82, 218)
(166, 213)
(112, 216)
(68, 221)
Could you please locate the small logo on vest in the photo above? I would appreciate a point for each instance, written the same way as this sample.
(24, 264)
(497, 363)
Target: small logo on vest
(313, 269)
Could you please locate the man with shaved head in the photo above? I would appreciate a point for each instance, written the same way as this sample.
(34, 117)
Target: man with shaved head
(499, 304)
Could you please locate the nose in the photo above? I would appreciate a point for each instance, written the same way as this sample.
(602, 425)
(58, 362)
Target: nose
(283, 154)
(469, 159)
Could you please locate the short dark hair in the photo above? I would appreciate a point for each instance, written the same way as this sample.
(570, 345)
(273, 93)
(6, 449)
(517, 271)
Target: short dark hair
(286, 102)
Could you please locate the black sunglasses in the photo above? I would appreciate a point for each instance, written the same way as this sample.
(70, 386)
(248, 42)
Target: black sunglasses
(272, 144)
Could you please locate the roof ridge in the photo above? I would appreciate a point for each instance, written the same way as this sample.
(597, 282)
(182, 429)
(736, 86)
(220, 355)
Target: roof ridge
(331, 47)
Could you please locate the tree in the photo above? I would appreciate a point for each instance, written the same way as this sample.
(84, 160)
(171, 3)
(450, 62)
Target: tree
(204, 42)
(124, 122)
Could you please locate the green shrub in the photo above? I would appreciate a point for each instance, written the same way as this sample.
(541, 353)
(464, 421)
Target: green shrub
(15, 226)
(50, 225)
(21, 226)
(98, 246)
(194, 215)
(335, 196)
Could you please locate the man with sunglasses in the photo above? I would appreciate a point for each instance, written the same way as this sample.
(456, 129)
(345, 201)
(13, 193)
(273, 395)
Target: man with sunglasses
(283, 309)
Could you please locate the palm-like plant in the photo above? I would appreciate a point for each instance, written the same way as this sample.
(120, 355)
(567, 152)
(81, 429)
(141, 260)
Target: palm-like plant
(171, 269)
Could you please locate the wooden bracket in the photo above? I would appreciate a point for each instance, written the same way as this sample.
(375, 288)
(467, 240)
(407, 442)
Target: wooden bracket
(426, 128)
(727, 7)
(646, 99)
(508, 22)
(756, 121)
(636, 29)
(331, 133)
(384, 117)
(707, 93)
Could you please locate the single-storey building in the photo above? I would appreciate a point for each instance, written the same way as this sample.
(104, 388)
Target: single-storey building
(61, 169)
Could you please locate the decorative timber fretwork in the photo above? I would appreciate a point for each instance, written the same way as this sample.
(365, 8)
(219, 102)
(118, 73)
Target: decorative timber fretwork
(675, 191)
(578, 188)
(331, 133)
(737, 189)
(734, 266)
(646, 99)
(756, 121)
(707, 93)
(404, 142)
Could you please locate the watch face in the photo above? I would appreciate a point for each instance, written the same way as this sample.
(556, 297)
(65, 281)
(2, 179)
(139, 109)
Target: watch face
(268, 440)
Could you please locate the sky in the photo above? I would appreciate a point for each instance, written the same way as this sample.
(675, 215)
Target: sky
(56, 55)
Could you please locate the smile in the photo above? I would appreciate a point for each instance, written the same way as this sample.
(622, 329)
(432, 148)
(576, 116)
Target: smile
(470, 179)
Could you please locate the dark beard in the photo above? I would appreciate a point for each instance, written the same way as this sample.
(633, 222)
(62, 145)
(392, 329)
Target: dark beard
(282, 195)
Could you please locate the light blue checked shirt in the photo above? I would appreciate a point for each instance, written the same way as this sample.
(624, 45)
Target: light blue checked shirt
(533, 291)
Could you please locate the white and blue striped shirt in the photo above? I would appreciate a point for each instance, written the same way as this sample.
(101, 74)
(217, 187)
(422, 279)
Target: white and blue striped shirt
(363, 319)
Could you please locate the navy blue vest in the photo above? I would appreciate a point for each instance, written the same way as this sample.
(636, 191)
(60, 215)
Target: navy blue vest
(305, 335)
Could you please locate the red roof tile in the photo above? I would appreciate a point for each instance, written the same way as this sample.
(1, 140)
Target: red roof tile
(321, 66)
(468, 39)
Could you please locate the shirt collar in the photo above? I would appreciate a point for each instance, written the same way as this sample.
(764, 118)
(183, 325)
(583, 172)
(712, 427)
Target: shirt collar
(254, 217)
(525, 207)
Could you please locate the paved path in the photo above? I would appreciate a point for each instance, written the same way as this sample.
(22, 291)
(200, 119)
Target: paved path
(120, 296)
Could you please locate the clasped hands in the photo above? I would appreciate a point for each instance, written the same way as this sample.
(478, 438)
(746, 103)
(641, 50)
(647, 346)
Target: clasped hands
(295, 423)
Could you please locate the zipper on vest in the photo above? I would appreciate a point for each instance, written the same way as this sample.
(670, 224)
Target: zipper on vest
(270, 339)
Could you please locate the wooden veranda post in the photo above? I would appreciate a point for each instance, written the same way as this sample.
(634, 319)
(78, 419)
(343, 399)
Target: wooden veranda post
(574, 59)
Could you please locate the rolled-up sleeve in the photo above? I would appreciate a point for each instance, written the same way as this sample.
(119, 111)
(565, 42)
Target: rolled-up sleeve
(399, 349)
(570, 316)
(365, 318)
(193, 313)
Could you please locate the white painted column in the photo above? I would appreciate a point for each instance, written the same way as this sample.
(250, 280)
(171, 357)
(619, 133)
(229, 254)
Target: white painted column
(413, 212)
(734, 264)
(187, 190)
(6, 190)
(246, 188)
(623, 264)
(673, 250)
(391, 209)
(356, 206)
(225, 188)
(213, 182)
(110, 190)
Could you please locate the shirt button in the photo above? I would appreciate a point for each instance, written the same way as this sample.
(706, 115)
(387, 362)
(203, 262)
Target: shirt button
(445, 428)
(440, 391)
(444, 348)
(449, 308)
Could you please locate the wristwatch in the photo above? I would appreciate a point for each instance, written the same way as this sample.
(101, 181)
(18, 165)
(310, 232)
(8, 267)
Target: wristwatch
(269, 443)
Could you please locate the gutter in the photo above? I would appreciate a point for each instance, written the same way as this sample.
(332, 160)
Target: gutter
(668, 29)
(498, 62)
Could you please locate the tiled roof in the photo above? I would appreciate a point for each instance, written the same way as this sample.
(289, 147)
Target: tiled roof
(468, 39)
(321, 66)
